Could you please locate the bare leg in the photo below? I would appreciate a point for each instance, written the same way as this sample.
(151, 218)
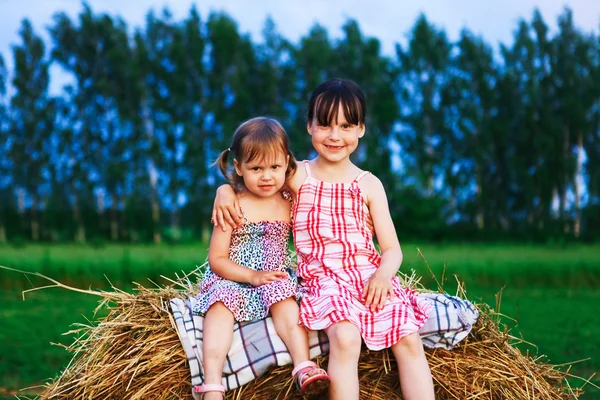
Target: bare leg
(285, 318)
(344, 351)
(217, 335)
(415, 376)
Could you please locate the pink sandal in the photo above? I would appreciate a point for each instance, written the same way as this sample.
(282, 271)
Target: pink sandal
(209, 387)
(310, 379)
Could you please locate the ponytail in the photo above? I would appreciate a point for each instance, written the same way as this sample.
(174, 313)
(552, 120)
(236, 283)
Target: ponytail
(223, 164)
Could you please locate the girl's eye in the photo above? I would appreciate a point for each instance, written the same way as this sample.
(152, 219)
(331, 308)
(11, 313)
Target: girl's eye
(256, 169)
(345, 126)
(274, 166)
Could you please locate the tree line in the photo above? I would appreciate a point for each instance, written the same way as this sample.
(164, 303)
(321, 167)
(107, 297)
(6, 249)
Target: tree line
(471, 141)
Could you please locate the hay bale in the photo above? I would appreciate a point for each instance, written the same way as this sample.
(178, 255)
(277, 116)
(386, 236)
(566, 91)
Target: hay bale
(134, 353)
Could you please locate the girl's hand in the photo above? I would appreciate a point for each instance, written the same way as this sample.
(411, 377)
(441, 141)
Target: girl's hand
(260, 278)
(226, 209)
(376, 291)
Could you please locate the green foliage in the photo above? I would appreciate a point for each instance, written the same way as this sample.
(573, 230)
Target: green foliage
(470, 141)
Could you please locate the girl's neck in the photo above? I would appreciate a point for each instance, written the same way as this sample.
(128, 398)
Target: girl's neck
(245, 193)
(336, 172)
(258, 208)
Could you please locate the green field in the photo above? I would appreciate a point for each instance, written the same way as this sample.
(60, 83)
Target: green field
(550, 292)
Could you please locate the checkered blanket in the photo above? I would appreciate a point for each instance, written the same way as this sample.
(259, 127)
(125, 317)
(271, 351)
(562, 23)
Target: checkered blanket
(256, 347)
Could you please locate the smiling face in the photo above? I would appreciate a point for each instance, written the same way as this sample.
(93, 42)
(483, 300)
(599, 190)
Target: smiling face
(336, 119)
(263, 176)
(336, 141)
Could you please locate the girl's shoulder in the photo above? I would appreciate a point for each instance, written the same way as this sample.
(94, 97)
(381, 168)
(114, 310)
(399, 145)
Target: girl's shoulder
(370, 185)
(281, 210)
(276, 208)
(297, 179)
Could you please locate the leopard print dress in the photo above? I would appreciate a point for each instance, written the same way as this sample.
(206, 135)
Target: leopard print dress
(261, 246)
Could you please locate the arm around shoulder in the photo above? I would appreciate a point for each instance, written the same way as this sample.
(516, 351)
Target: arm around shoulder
(226, 209)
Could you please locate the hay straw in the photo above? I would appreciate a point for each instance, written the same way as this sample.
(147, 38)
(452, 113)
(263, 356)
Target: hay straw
(134, 353)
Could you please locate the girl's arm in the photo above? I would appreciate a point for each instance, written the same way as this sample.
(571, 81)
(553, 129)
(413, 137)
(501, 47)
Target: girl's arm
(379, 286)
(226, 209)
(220, 264)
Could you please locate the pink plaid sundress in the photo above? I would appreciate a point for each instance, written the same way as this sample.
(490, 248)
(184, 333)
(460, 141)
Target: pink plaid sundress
(336, 257)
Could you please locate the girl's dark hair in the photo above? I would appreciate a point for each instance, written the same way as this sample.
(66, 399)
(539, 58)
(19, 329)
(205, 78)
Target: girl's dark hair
(259, 137)
(325, 101)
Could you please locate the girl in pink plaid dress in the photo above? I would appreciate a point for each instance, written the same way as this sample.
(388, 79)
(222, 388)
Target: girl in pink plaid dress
(349, 289)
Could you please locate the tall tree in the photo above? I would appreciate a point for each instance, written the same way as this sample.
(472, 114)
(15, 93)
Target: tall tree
(148, 156)
(81, 138)
(171, 62)
(575, 95)
(197, 155)
(591, 142)
(424, 69)
(5, 169)
(469, 97)
(96, 52)
(32, 123)
(532, 134)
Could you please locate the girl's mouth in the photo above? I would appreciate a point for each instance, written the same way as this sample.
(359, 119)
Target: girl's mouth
(266, 188)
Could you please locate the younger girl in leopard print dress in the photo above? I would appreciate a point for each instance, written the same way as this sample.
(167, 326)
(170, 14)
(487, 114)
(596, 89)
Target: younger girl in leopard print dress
(249, 274)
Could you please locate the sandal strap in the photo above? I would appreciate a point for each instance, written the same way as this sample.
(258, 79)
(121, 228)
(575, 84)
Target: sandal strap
(209, 387)
(304, 365)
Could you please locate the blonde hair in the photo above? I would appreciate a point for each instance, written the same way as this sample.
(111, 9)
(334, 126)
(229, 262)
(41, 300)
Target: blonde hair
(258, 137)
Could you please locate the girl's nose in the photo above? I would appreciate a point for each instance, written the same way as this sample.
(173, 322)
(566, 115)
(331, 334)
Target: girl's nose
(266, 176)
(334, 134)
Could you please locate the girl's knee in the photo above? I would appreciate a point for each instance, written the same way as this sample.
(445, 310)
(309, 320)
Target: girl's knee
(345, 336)
(286, 311)
(285, 306)
(410, 344)
(220, 314)
(218, 306)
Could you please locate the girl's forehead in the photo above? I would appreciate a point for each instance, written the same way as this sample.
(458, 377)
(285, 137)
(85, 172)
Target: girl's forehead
(335, 113)
(267, 157)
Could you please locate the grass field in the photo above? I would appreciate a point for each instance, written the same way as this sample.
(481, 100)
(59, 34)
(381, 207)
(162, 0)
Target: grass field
(551, 293)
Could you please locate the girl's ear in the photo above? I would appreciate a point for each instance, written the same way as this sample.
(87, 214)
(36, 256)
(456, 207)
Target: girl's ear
(236, 165)
(309, 128)
(362, 131)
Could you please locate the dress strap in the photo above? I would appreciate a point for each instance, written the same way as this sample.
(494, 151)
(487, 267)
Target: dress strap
(287, 195)
(307, 167)
(360, 176)
(244, 215)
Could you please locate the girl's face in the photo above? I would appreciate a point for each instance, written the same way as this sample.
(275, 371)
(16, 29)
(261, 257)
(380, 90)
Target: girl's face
(264, 176)
(337, 141)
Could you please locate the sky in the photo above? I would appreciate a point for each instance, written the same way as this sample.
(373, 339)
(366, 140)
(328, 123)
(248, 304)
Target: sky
(389, 21)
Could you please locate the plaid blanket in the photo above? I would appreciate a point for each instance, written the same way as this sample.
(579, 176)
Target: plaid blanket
(256, 347)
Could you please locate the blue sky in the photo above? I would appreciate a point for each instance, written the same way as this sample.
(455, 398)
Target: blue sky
(387, 20)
